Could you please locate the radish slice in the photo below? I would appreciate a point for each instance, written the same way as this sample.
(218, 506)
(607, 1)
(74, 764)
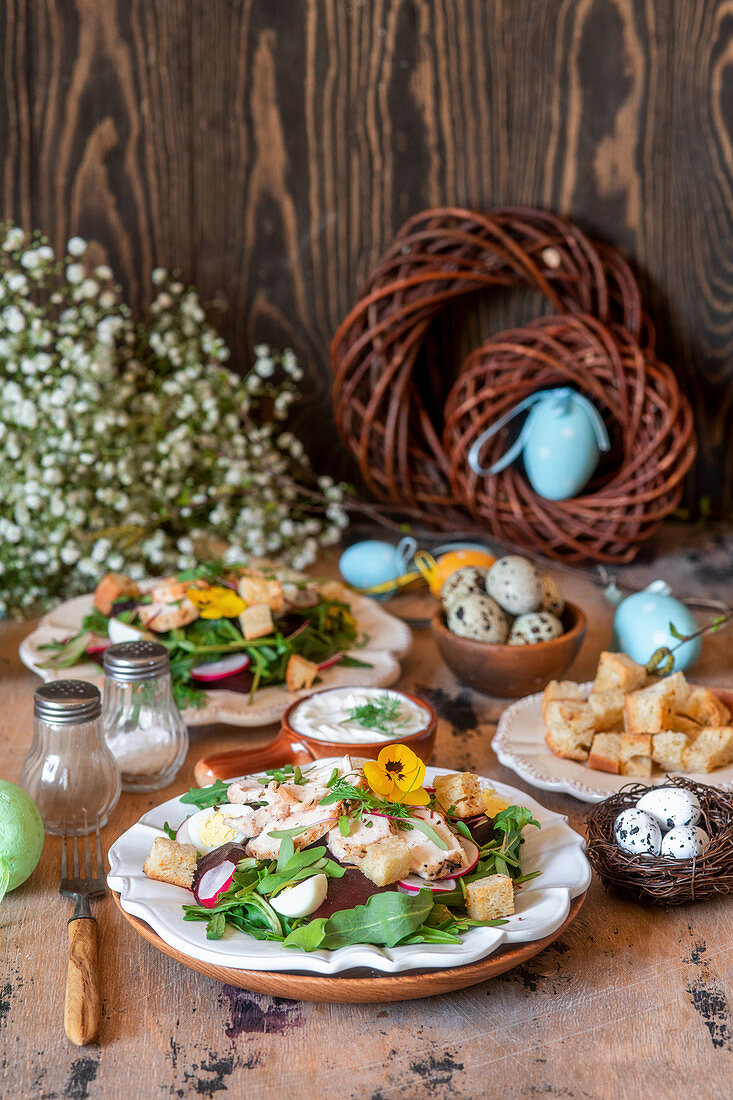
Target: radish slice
(472, 854)
(210, 671)
(330, 661)
(413, 884)
(182, 834)
(213, 882)
(98, 645)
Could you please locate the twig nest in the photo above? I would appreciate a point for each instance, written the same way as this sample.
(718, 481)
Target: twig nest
(698, 860)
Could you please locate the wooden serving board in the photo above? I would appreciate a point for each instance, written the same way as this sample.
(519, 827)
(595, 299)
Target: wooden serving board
(369, 987)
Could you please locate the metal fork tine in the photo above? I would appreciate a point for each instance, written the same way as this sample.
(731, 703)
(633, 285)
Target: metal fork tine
(87, 854)
(64, 872)
(75, 847)
(100, 857)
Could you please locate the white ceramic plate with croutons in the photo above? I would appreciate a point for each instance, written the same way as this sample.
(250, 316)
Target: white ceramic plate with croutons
(519, 743)
(542, 904)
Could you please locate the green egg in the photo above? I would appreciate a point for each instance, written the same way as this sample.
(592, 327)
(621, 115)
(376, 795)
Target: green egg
(21, 836)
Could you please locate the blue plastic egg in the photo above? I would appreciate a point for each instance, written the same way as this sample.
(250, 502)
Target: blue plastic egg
(641, 626)
(372, 562)
(561, 446)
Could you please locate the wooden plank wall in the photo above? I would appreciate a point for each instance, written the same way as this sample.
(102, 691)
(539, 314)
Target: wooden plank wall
(270, 149)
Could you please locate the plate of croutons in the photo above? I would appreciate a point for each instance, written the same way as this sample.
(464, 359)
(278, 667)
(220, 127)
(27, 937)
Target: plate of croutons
(590, 739)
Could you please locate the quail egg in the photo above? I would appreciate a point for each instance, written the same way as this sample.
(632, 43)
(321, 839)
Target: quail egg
(685, 842)
(637, 833)
(477, 617)
(552, 598)
(537, 626)
(468, 581)
(515, 584)
(670, 807)
(302, 899)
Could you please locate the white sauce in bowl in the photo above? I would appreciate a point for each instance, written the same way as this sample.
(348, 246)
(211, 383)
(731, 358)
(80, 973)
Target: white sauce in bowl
(325, 716)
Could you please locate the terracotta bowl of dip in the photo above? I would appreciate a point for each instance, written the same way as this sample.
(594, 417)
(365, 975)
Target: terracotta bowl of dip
(294, 746)
(510, 671)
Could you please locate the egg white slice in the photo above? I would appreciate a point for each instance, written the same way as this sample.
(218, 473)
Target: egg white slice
(302, 899)
(209, 829)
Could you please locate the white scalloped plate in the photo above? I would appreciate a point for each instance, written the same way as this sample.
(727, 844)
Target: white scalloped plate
(519, 743)
(542, 904)
(389, 641)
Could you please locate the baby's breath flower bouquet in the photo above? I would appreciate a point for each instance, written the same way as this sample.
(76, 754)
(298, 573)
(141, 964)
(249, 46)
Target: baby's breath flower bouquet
(132, 446)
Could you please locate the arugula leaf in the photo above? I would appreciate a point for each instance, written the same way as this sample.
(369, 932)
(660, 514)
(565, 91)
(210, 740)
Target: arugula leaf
(344, 825)
(68, 653)
(286, 853)
(169, 831)
(204, 797)
(462, 828)
(308, 937)
(385, 919)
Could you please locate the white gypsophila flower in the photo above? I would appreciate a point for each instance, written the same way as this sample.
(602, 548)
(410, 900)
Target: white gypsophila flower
(76, 246)
(75, 273)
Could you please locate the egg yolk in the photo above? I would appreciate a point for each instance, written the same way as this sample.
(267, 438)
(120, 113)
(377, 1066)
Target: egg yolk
(218, 830)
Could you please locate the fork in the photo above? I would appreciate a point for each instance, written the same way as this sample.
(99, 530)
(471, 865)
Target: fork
(82, 1003)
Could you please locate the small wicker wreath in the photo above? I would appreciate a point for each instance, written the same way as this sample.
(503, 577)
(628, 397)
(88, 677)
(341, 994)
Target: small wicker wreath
(386, 395)
(664, 881)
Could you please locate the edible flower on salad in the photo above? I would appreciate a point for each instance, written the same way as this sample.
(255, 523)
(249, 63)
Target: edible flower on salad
(216, 602)
(397, 775)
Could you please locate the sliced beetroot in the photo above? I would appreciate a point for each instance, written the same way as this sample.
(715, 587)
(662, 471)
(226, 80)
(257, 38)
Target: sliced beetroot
(353, 888)
(214, 871)
(210, 672)
(481, 828)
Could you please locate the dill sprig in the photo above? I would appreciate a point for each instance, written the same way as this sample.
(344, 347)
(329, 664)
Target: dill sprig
(384, 714)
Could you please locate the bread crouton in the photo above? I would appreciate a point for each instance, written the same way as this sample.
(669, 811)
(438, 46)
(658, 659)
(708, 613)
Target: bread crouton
(334, 590)
(255, 588)
(171, 862)
(616, 670)
(559, 689)
(459, 794)
(162, 617)
(605, 753)
(704, 707)
(608, 709)
(490, 898)
(386, 861)
(636, 754)
(674, 689)
(114, 587)
(256, 621)
(300, 673)
(646, 711)
(668, 750)
(570, 728)
(712, 749)
(680, 723)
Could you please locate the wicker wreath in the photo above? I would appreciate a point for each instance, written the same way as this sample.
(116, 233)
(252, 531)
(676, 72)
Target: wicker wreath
(655, 879)
(386, 397)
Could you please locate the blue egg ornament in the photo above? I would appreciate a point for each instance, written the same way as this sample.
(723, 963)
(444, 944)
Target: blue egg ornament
(373, 562)
(641, 626)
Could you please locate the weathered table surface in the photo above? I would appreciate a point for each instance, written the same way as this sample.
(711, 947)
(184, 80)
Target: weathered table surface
(630, 1001)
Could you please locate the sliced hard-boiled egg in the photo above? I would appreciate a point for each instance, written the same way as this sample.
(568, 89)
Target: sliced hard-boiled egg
(209, 829)
(302, 899)
(123, 632)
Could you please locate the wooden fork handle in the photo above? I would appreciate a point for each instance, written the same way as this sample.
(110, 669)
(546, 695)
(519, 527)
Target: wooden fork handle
(82, 1008)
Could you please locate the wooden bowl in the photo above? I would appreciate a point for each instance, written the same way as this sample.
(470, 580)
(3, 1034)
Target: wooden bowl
(510, 671)
(291, 747)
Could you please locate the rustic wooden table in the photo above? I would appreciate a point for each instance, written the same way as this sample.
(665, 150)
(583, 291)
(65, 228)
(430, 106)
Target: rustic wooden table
(629, 1002)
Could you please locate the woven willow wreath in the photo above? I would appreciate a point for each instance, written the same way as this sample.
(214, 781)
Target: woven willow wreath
(385, 404)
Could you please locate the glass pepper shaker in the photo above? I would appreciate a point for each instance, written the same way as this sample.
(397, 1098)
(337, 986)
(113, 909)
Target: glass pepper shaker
(69, 768)
(142, 724)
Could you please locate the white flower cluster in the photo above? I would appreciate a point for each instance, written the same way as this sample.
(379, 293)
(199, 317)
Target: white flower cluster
(129, 446)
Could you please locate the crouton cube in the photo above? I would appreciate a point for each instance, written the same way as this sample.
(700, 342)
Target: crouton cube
(608, 709)
(493, 802)
(459, 794)
(255, 588)
(680, 723)
(668, 750)
(712, 749)
(674, 689)
(705, 708)
(256, 621)
(636, 754)
(386, 861)
(114, 587)
(605, 753)
(616, 670)
(570, 728)
(647, 711)
(300, 673)
(171, 862)
(490, 898)
(559, 689)
(334, 590)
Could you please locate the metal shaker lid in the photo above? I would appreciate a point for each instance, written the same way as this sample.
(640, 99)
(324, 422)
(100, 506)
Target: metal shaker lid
(133, 662)
(67, 702)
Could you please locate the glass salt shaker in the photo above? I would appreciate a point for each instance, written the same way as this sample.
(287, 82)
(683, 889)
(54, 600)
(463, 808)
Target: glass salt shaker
(142, 724)
(69, 771)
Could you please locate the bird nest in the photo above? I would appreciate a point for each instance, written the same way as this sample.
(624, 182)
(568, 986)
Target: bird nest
(663, 880)
(410, 425)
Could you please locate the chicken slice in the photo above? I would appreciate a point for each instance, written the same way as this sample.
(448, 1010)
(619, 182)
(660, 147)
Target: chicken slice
(318, 821)
(352, 848)
(427, 859)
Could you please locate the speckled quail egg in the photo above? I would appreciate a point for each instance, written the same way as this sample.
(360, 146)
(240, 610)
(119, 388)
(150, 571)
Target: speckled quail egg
(537, 626)
(685, 842)
(670, 807)
(552, 598)
(468, 581)
(637, 833)
(515, 584)
(477, 617)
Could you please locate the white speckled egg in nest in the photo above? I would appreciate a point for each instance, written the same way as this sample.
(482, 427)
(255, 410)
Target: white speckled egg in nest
(468, 581)
(515, 584)
(671, 807)
(637, 833)
(685, 842)
(552, 597)
(477, 617)
(537, 626)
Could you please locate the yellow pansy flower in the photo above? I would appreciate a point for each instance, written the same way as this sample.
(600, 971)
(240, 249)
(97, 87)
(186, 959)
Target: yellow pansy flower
(397, 775)
(216, 602)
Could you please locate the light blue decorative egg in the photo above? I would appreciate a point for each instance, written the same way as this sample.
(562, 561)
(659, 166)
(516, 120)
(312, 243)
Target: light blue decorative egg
(641, 626)
(373, 562)
(561, 446)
